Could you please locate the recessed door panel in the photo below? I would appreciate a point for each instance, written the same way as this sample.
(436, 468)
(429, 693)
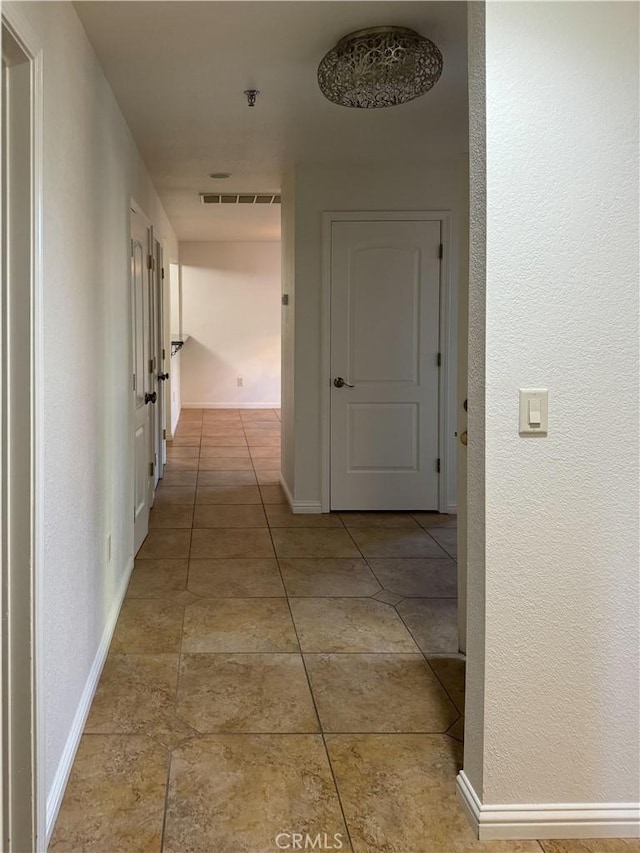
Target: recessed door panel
(384, 307)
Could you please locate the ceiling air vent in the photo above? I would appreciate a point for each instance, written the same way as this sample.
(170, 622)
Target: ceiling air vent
(239, 198)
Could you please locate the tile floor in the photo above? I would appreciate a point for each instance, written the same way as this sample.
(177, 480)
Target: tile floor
(272, 673)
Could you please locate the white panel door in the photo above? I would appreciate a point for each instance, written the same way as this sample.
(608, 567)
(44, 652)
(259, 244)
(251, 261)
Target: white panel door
(385, 309)
(143, 378)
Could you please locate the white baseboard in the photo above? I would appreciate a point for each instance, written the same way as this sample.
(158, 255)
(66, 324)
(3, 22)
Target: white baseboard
(231, 405)
(548, 820)
(452, 509)
(300, 507)
(54, 798)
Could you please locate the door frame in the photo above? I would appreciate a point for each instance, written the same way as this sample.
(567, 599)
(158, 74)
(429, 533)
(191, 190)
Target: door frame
(26, 724)
(448, 315)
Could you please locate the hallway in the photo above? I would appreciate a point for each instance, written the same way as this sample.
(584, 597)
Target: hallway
(283, 674)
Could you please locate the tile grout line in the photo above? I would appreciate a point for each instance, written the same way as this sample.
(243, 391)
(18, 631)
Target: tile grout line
(313, 699)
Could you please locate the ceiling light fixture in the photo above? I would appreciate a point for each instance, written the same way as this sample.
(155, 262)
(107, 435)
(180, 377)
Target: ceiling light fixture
(379, 67)
(220, 176)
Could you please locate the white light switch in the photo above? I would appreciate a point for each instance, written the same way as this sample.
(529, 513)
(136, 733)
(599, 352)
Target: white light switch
(534, 411)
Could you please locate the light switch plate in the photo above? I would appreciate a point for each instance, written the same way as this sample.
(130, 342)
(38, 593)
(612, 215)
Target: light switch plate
(534, 399)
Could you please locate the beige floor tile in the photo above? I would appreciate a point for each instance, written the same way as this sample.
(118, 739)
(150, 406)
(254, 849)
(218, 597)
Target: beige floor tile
(399, 795)
(183, 452)
(188, 429)
(451, 673)
(182, 464)
(251, 416)
(137, 695)
(328, 577)
(236, 793)
(171, 515)
(447, 539)
(239, 625)
(228, 438)
(592, 845)
(435, 519)
(222, 430)
(176, 495)
(224, 452)
(115, 797)
(226, 495)
(227, 478)
(249, 543)
(160, 579)
(273, 495)
(148, 626)
(225, 463)
(349, 625)
(280, 515)
(375, 542)
(378, 693)
(264, 438)
(248, 693)
(431, 578)
(178, 478)
(433, 623)
(388, 597)
(267, 476)
(256, 435)
(235, 578)
(267, 453)
(379, 519)
(313, 543)
(185, 441)
(165, 544)
(236, 515)
(456, 731)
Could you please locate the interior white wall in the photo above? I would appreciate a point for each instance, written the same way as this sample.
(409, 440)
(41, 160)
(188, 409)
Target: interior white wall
(231, 312)
(554, 716)
(318, 188)
(91, 170)
(288, 245)
(173, 329)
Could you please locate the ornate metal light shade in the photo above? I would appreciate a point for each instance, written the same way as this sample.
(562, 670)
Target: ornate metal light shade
(379, 67)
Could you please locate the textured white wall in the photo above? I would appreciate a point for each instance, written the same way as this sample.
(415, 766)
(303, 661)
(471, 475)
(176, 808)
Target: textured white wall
(431, 186)
(231, 312)
(287, 464)
(91, 170)
(560, 711)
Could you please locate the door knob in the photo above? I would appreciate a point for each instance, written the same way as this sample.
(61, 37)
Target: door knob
(163, 376)
(150, 398)
(464, 438)
(340, 383)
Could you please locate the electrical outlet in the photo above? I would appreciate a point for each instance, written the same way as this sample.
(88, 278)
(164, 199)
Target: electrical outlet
(240, 382)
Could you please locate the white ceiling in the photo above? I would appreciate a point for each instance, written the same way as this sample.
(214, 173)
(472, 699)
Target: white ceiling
(179, 70)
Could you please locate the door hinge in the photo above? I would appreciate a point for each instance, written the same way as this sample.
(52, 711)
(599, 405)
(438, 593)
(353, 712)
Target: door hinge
(150, 262)
(152, 469)
(163, 273)
(164, 433)
(164, 354)
(438, 465)
(132, 247)
(134, 382)
(440, 251)
(151, 360)
(439, 359)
